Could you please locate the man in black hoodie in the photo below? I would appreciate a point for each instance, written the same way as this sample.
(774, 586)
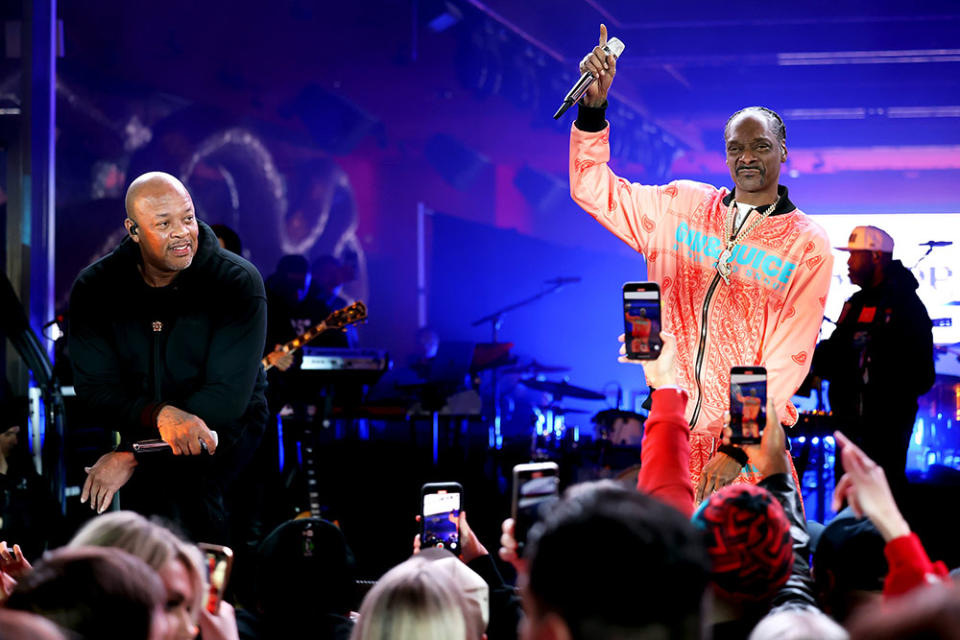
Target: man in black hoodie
(166, 336)
(879, 359)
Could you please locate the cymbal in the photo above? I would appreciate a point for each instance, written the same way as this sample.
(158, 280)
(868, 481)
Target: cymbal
(607, 416)
(562, 389)
(535, 369)
(489, 355)
(562, 411)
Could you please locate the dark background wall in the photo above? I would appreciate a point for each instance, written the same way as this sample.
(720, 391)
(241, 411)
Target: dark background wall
(324, 127)
(384, 107)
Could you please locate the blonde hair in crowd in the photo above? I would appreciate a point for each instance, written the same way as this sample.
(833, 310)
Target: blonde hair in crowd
(153, 543)
(798, 624)
(413, 601)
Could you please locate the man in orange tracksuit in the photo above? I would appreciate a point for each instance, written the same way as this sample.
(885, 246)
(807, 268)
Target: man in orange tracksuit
(750, 406)
(743, 273)
(639, 332)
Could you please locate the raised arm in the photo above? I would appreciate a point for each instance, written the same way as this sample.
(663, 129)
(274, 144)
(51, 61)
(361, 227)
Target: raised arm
(665, 451)
(772, 460)
(631, 211)
(864, 486)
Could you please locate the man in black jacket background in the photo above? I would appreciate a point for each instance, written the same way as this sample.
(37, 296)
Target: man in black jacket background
(879, 359)
(166, 337)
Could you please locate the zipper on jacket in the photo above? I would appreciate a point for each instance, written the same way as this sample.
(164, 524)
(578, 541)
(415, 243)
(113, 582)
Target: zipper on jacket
(701, 348)
(157, 329)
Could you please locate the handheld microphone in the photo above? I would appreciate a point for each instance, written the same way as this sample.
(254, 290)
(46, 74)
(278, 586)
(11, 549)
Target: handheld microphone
(936, 243)
(149, 446)
(566, 280)
(613, 47)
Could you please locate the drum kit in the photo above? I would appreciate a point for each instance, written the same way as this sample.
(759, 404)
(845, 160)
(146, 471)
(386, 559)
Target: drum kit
(936, 437)
(550, 436)
(555, 433)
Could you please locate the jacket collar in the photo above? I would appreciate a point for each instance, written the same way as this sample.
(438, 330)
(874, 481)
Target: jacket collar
(784, 206)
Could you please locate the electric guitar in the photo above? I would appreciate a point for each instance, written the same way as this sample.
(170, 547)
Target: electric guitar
(339, 319)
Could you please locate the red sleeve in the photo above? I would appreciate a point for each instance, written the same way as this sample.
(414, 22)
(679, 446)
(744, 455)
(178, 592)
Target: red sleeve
(665, 453)
(910, 567)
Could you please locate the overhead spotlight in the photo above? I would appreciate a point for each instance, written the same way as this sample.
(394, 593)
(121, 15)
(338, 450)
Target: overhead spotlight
(440, 16)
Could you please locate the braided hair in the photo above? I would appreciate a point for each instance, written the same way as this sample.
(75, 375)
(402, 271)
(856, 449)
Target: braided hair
(776, 122)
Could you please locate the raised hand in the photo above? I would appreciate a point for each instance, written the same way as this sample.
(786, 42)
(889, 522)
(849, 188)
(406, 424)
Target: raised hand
(470, 546)
(509, 547)
(219, 626)
(660, 372)
(719, 471)
(770, 456)
(864, 486)
(12, 561)
(603, 67)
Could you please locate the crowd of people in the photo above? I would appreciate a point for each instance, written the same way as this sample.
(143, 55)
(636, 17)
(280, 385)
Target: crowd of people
(711, 542)
(606, 561)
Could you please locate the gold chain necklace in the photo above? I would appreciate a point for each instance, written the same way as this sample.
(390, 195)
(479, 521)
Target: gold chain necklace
(723, 262)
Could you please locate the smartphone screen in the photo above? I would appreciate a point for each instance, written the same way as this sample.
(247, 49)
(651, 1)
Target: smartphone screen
(748, 404)
(218, 561)
(641, 320)
(440, 516)
(533, 485)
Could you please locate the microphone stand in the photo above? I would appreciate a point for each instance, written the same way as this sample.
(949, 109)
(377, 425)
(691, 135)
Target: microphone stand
(930, 248)
(496, 321)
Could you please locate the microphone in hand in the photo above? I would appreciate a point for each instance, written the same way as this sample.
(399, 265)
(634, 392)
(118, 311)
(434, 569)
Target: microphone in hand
(613, 47)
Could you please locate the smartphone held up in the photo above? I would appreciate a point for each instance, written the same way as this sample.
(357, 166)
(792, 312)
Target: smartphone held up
(534, 486)
(748, 404)
(218, 561)
(641, 320)
(440, 506)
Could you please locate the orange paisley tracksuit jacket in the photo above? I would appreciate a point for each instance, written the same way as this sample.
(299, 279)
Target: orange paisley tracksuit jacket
(768, 315)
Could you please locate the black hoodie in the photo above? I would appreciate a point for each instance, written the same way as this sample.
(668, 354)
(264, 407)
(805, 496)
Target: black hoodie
(879, 359)
(204, 359)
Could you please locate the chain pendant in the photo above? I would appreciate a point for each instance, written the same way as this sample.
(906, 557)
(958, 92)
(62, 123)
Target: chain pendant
(723, 265)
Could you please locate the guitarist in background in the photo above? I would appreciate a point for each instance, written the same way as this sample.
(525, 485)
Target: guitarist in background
(299, 298)
(327, 277)
(286, 317)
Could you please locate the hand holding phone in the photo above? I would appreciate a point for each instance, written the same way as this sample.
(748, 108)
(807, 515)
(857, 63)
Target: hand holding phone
(748, 404)
(218, 561)
(661, 372)
(534, 485)
(440, 506)
(641, 320)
